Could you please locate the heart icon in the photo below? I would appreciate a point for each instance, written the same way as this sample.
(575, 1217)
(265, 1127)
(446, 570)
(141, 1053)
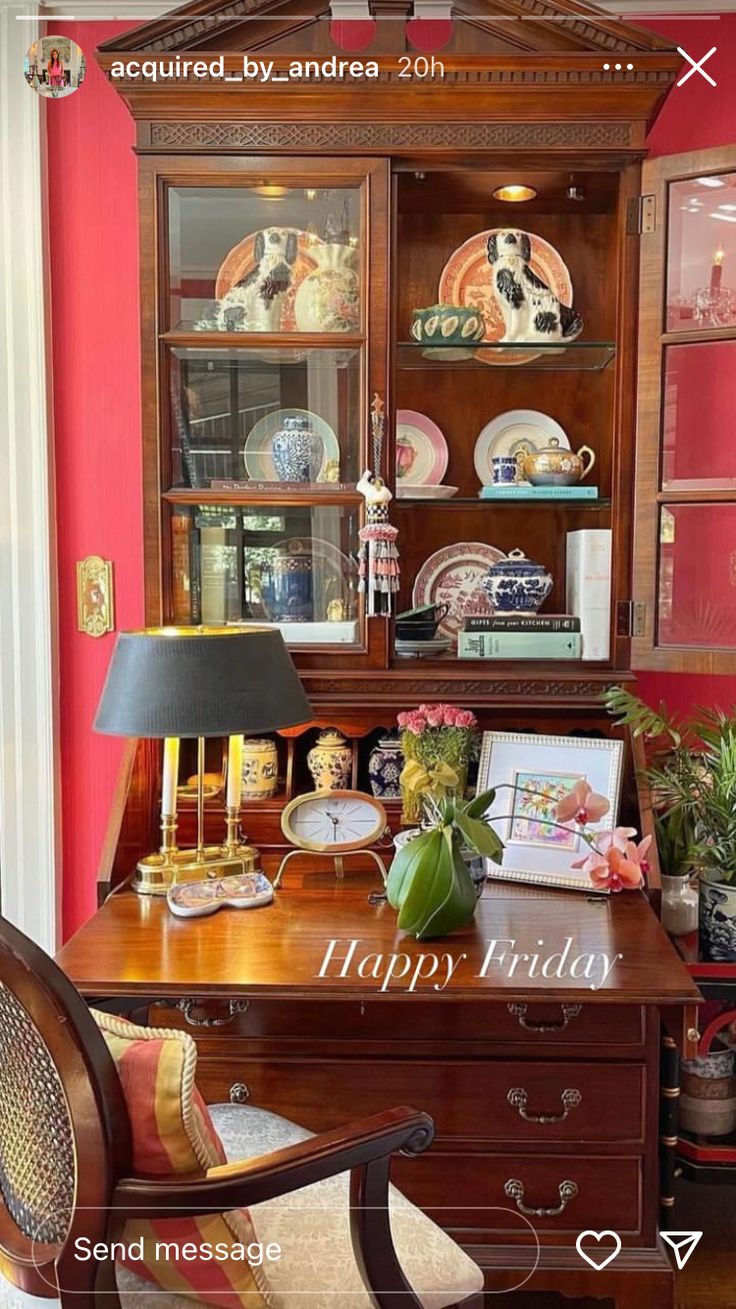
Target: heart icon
(602, 1260)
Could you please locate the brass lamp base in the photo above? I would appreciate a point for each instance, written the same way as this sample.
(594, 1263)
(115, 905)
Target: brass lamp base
(157, 872)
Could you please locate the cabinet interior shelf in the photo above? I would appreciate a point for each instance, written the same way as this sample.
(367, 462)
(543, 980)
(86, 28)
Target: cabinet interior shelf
(583, 356)
(551, 502)
(276, 496)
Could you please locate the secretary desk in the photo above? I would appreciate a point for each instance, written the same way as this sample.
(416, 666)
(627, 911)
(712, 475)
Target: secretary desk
(398, 168)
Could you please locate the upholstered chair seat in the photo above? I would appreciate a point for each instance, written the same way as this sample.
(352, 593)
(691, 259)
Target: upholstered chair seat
(312, 1227)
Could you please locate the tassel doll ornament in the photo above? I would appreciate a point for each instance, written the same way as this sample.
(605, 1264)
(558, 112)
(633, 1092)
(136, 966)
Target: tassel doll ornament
(378, 558)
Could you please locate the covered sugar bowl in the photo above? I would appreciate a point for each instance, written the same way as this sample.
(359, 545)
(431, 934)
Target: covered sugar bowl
(516, 585)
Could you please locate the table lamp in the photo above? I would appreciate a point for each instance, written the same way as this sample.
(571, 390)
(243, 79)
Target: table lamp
(195, 682)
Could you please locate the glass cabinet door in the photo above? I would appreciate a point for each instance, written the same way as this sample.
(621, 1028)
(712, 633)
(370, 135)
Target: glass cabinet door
(264, 374)
(268, 257)
(685, 532)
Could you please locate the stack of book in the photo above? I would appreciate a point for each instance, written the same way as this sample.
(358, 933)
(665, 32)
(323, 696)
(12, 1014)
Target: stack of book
(520, 636)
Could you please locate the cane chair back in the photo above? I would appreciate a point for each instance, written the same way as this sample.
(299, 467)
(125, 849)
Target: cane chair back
(64, 1129)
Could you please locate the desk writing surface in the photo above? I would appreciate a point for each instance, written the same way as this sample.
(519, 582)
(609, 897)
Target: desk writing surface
(134, 946)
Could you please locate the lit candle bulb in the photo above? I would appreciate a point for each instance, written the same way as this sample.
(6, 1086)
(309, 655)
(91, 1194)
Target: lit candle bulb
(170, 776)
(234, 772)
(716, 272)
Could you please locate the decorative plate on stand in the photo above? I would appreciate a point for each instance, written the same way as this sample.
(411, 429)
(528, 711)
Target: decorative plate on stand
(454, 576)
(466, 280)
(421, 450)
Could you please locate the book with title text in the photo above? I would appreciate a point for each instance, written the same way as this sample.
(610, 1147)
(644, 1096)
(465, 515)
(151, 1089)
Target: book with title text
(589, 588)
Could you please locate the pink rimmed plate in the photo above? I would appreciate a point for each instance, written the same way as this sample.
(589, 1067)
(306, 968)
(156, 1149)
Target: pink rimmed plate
(421, 450)
(454, 576)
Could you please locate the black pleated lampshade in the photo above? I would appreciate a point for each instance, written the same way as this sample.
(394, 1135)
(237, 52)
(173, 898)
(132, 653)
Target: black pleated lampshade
(194, 681)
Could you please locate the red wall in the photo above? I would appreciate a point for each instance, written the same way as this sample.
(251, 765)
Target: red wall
(96, 402)
(93, 224)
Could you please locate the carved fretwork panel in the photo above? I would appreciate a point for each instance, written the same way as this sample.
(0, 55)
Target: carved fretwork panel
(387, 136)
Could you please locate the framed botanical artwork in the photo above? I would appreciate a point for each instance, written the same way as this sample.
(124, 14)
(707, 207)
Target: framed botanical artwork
(530, 774)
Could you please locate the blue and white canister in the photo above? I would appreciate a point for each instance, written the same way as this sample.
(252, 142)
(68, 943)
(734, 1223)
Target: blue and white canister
(384, 768)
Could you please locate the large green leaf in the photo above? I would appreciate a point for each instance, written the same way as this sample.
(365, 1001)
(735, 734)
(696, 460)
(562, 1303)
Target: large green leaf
(477, 807)
(480, 837)
(428, 884)
(458, 906)
(440, 895)
(404, 865)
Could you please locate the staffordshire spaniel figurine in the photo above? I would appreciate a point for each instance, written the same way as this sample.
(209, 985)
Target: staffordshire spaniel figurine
(531, 311)
(256, 302)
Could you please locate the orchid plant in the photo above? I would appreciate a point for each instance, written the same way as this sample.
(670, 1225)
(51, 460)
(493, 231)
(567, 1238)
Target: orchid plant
(429, 883)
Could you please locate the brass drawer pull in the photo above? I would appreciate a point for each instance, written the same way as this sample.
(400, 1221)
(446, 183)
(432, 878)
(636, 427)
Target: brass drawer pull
(234, 1008)
(514, 1189)
(519, 1099)
(569, 1011)
(239, 1093)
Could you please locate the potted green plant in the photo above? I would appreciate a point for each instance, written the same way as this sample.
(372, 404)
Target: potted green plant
(692, 777)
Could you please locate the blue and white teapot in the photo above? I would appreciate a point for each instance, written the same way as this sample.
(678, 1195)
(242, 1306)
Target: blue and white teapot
(516, 585)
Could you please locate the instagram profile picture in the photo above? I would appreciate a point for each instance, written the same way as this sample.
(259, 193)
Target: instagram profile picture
(54, 66)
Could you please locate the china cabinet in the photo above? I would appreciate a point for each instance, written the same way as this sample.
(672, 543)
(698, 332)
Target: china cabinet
(296, 239)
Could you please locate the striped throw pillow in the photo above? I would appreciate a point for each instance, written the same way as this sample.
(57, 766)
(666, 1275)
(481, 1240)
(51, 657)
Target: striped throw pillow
(173, 1135)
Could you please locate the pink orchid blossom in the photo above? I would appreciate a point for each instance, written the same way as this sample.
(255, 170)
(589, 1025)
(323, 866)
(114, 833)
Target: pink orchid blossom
(582, 804)
(616, 861)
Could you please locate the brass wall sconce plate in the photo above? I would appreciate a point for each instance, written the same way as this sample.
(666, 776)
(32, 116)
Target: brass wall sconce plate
(95, 596)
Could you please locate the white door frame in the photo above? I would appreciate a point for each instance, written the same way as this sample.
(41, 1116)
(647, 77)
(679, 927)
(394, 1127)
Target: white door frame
(29, 772)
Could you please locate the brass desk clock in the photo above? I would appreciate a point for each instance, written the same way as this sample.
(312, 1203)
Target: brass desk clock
(334, 823)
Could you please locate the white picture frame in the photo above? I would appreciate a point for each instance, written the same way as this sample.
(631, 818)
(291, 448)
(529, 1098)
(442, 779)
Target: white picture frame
(534, 853)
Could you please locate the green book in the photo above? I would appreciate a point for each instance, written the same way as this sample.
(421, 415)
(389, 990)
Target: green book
(513, 492)
(519, 645)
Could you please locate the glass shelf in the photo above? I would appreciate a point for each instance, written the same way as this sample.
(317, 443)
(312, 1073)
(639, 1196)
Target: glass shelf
(583, 356)
(478, 503)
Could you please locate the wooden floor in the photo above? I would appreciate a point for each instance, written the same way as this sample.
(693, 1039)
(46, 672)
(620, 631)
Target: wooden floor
(709, 1279)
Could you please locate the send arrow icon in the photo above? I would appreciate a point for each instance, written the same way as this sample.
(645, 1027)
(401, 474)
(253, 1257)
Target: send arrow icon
(682, 1245)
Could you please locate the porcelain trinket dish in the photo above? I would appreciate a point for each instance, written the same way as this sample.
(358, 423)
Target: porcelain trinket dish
(516, 585)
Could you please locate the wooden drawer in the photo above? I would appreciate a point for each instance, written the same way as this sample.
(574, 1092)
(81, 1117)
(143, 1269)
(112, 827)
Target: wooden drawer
(501, 1100)
(383, 1020)
(471, 1192)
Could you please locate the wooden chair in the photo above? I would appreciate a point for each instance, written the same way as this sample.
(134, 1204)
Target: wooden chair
(65, 1154)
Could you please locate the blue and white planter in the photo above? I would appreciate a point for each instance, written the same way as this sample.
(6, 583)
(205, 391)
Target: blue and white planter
(516, 585)
(717, 921)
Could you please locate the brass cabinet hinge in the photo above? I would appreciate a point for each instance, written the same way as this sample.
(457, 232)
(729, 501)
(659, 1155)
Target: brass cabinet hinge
(641, 218)
(631, 618)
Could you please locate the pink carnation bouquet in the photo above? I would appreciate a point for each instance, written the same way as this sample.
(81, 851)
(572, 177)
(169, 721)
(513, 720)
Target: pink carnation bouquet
(438, 742)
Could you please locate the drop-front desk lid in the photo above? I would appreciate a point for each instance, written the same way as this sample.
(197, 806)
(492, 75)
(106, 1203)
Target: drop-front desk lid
(602, 950)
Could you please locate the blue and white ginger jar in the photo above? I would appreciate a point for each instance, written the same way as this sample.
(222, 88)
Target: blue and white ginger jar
(297, 451)
(384, 768)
